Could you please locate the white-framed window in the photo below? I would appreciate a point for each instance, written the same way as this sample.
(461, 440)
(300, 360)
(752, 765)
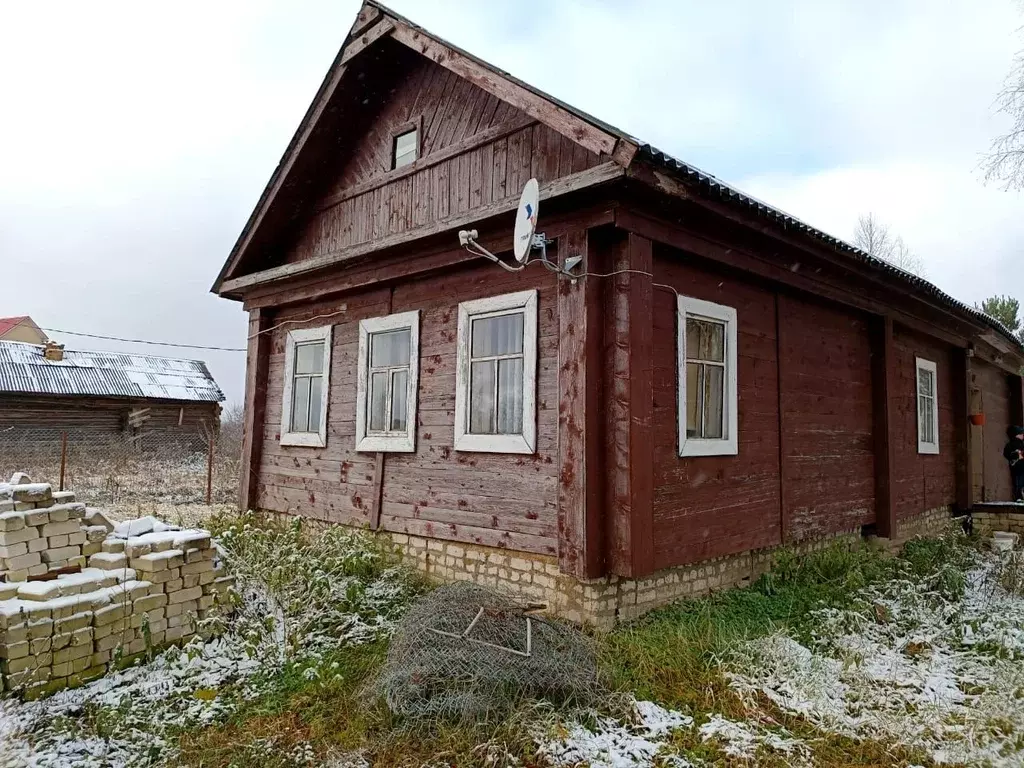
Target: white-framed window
(927, 406)
(388, 381)
(496, 374)
(708, 401)
(307, 369)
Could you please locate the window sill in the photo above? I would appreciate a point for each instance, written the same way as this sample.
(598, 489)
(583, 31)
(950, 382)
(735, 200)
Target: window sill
(304, 439)
(708, 448)
(386, 444)
(927, 450)
(493, 444)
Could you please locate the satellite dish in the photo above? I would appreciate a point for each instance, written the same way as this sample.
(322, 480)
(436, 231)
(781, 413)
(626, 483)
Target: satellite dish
(526, 221)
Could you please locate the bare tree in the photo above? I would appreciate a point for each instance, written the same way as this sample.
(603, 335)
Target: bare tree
(1004, 162)
(873, 236)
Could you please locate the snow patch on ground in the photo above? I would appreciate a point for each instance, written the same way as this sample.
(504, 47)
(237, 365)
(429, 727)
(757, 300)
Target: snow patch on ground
(611, 744)
(908, 667)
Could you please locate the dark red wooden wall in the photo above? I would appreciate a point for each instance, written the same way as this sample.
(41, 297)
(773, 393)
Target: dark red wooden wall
(828, 470)
(491, 499)
(476, 149)
(714, 505)
(923, 481)
(996, 403)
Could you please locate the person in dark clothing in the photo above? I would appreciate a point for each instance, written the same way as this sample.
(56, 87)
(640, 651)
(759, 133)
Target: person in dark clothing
(1014, 453)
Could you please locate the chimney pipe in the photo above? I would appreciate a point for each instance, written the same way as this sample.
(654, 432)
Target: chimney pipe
(53, 351)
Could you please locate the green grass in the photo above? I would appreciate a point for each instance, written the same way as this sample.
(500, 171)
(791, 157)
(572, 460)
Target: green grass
(671, 656)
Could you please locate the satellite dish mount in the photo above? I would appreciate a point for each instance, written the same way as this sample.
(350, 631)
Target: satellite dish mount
(525, 238)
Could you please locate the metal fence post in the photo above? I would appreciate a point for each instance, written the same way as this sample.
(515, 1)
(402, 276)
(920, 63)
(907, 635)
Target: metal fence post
(63, 457)
(209, 473)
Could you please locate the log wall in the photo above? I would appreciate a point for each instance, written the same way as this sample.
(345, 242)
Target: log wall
(489, 499)
(474, 150)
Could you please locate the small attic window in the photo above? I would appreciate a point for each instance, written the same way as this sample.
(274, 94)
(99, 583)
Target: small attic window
(406, 148)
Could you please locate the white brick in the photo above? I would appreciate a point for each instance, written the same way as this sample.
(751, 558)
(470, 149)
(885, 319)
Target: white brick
(23, 562)
(62, 553)
(7, 538)
(61, 528)
(11, 521)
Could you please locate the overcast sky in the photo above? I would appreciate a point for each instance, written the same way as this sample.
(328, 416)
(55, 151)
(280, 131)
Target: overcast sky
(135, 137)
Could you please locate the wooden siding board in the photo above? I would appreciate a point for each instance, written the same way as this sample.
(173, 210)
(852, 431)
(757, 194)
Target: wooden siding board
(256, 363)
(995, 402)
(828, 417)
(628, 408)
(579, 470)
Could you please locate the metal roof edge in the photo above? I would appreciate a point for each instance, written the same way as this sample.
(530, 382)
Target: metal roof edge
(711, 185)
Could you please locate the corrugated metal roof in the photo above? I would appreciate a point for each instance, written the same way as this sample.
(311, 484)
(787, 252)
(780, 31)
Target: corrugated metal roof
(24, 369)
(712, 186)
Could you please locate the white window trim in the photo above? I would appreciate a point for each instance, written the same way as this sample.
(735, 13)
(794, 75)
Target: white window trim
(526, 441)
(316, 439)
(397, 442)
(728, 445)
(919, 364)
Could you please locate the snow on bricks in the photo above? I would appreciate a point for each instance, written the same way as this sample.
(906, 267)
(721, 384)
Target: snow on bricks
(79, 595)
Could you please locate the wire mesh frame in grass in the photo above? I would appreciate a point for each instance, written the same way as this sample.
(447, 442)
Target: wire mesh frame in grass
(466, 652)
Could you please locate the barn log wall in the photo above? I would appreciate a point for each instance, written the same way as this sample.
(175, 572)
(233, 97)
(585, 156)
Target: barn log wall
(96, 418)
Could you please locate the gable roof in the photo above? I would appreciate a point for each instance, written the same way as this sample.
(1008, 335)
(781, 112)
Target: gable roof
(24, 370)
(10, 323)
(376, 21)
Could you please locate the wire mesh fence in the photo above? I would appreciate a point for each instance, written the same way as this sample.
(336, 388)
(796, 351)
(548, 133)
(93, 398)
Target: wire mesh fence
(125, 471)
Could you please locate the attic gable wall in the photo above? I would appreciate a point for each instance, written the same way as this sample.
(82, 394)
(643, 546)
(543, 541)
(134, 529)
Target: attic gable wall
(475, 149)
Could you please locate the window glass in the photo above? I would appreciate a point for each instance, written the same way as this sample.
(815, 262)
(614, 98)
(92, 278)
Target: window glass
(501, 335)
(510, 396)
(405, 149)
(309, 358)
(399, 399)
(315, 402)
(694, 393)
(389, 348)
(300, 404)
(714, 395)
(705, 340)
(378, 401)
(705, 378)
(481, 398)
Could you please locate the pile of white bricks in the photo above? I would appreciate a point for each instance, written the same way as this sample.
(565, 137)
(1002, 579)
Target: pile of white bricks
(77, 599)
(42, 529)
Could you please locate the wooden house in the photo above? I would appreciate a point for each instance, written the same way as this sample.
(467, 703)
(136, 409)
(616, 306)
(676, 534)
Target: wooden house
(22, 328)
(103, 399)
(718, 379)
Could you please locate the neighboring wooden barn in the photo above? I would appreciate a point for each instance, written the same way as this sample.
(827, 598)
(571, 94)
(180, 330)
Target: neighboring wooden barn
(102, 398)
(727, 380)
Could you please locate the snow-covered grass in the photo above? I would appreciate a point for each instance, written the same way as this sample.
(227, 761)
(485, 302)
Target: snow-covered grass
(908, 664)
(301, 599)
(845, 656)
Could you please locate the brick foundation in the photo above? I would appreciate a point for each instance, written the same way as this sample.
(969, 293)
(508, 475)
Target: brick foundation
(998, 517)
(600, 602)
(605, 601)
(928, 524)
